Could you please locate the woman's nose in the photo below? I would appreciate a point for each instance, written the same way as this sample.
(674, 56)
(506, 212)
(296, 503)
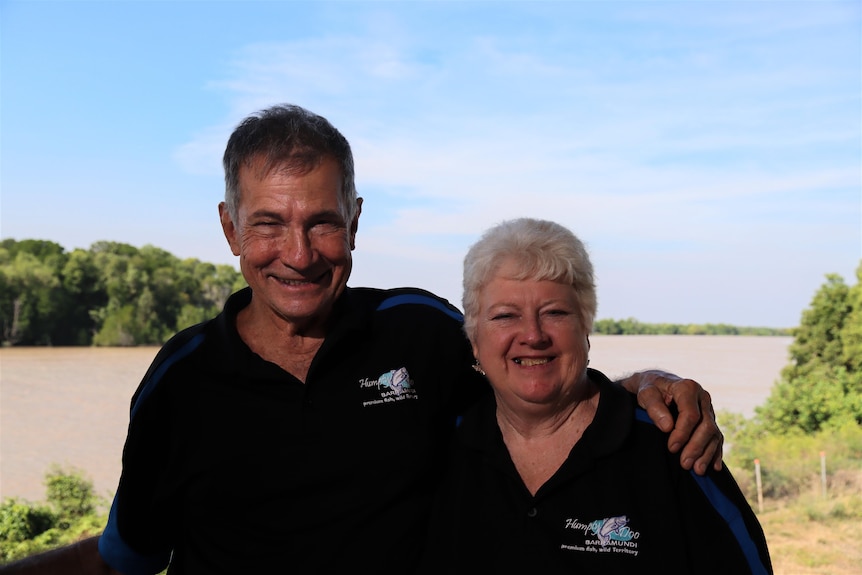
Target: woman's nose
(534, 331)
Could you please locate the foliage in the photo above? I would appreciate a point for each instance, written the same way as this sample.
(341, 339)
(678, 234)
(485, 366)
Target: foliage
(72, 512)
(20, 521)
(70, 495)
(821, 388)
(631, 326)
(113, 294)
(812, 417)
(823, 398)
(790, 462)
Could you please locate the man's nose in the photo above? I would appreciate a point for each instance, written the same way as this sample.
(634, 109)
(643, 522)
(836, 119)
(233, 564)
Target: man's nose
(296, 249)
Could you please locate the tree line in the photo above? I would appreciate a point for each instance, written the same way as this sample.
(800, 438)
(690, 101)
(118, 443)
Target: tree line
(112, 294)
(631, 326)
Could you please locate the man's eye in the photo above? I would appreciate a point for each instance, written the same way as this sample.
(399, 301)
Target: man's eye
(327, 225)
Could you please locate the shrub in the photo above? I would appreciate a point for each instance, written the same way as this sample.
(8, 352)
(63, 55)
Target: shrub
(71, 513)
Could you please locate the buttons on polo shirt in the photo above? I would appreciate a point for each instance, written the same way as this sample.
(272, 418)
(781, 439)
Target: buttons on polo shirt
(532, 512)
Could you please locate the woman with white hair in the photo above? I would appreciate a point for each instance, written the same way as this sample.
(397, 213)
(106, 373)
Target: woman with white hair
(561, 471)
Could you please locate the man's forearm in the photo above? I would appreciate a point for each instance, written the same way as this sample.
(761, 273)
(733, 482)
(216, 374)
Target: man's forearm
(81, 558)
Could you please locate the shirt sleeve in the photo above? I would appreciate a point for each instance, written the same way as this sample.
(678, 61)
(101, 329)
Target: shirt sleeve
(725, 515)
(121, 557)
(138, 537)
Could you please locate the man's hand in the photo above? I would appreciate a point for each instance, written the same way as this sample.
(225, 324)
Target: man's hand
(695, 429)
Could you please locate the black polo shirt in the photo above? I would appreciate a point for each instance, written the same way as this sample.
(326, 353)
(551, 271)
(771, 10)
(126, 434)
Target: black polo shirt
(620, 503)
(233, 465)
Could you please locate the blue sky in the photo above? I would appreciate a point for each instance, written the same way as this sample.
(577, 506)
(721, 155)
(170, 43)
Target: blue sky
(709, 153)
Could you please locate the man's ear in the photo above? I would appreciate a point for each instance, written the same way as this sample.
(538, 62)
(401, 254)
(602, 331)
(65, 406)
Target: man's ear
(354, 225)
(228, 228)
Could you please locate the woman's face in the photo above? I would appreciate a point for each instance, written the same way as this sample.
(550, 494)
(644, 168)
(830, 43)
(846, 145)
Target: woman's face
(530, 340)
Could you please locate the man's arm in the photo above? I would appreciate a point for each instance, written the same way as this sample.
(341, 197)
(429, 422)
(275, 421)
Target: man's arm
(81, 558)
(694, 430)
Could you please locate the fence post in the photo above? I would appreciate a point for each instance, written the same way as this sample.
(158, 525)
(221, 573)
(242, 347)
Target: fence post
(823, 473)
(759, 485)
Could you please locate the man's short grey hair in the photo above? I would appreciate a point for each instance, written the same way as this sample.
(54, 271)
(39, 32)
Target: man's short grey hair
(292, 138)
(541, 250)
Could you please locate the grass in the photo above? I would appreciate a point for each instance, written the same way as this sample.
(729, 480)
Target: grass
(808, 532)
(810, 535)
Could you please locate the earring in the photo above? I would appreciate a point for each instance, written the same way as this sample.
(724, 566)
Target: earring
(477, 367)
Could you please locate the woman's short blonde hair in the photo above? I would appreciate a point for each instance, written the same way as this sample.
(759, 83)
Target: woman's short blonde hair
(541, 250)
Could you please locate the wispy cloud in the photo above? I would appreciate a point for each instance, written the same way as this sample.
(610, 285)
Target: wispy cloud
(713, 145)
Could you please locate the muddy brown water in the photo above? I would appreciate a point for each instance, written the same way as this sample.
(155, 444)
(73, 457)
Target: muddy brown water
(70, 406)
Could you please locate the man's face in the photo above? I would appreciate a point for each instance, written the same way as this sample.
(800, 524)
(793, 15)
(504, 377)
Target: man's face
(293, 242)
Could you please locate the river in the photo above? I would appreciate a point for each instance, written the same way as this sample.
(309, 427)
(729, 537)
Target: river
(70, 405)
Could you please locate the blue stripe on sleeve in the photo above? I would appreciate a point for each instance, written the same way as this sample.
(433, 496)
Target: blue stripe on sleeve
(154, 380)
(641, 415)
(726, 508)
(116, 553)
(731, 514)
(420, 300)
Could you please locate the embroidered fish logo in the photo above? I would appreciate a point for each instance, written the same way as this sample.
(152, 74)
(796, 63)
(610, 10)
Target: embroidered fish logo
(611, 528)
(397, 380)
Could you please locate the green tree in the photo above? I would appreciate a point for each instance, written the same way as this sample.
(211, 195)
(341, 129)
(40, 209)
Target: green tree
(85, 291)
(71, 495)
(818, 338)
(113, 294)
(821, 388)
(32, 300)
(851, 331)
(140, 293)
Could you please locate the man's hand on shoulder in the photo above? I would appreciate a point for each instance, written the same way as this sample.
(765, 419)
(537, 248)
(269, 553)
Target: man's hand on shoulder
(695, 431)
